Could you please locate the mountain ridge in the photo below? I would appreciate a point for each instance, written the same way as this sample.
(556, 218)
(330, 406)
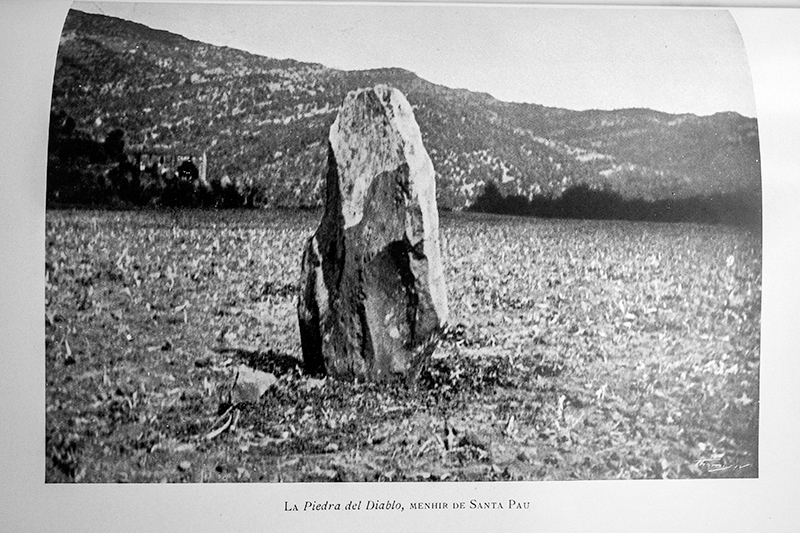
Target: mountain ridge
(262, 123)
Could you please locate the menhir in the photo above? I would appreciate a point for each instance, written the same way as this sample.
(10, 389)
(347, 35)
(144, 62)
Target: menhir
(372, 299)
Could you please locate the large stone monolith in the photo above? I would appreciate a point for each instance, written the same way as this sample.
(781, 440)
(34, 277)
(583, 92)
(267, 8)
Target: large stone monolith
(372, 296)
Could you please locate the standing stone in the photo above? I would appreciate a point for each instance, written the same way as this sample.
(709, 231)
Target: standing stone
(372, 299)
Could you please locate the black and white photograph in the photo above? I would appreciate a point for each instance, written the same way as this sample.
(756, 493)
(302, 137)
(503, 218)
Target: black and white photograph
(542, 263)
(277, 265)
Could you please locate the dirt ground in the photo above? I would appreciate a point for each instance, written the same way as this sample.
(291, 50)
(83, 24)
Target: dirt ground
(575, 350)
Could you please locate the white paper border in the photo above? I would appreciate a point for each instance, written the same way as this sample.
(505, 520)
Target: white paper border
(29, 33)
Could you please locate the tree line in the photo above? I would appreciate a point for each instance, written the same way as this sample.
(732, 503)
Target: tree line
(584, 202)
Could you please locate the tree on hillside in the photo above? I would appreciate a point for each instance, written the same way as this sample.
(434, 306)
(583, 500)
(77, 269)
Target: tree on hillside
(114, 145)
(187, 171)
(490, 200)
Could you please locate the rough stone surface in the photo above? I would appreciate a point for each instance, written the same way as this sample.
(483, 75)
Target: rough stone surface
(372, 296)
(250, 385)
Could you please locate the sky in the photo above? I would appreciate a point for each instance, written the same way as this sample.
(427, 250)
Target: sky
(675, 60)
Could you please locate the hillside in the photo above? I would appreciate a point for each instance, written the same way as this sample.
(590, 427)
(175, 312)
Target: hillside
(262, 124)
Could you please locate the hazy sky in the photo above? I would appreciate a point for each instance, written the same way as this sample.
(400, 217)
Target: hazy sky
(673, 60)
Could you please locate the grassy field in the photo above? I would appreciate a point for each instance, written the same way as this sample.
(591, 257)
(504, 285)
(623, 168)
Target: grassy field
(575, 350)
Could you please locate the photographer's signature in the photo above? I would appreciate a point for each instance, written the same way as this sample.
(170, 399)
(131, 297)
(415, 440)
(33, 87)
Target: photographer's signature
(713, 465)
